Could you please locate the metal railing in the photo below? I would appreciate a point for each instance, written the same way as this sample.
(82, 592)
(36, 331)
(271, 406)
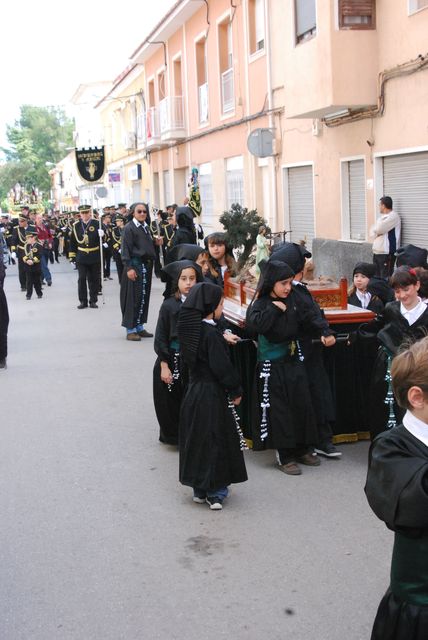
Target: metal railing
(227, 91)
(203, 103)
(152, 124)
(171, 114)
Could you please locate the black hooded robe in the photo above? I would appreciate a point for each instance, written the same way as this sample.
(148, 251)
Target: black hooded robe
(210, 454)
(397, 491)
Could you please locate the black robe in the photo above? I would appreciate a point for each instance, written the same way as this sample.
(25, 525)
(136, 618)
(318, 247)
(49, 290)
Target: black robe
(4, 324)
(397, 491)
(392, 331)
(210, 454)
(167, 398)
(290, 416)
(137, 253)
(376, 305)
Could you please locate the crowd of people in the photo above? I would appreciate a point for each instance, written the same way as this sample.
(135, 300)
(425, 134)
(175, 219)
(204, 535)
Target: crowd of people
(196, 388)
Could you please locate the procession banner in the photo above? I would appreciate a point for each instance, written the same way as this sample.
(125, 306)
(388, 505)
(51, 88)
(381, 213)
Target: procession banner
(90, 163)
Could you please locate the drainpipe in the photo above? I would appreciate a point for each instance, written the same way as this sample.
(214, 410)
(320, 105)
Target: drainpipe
(272, 160)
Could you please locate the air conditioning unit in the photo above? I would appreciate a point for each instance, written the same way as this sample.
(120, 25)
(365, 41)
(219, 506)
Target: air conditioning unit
(130, 141)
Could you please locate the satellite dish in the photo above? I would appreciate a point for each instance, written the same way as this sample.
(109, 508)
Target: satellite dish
(261, 142)
(102, 192)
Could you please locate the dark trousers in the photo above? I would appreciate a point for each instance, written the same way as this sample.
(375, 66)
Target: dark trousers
(4, 323)
(34, 280)
(107, 260)
(22, 273)
(384, 264)
(119, 266)
(89, 277)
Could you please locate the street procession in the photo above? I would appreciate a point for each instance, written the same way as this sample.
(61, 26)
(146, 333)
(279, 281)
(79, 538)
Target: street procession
(214, 326)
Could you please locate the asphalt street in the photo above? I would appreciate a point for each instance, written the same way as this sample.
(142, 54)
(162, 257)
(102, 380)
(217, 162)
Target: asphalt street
(99, 541)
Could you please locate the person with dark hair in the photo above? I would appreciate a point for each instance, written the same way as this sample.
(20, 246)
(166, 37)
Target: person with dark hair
(396, 489)
(185, 232)
(211, 440)
(221, 258)
(386, 232)
(17, 248)
(411, 256)
(168, 372)
(358, 294)
(422, 276)
(138, 254)
(116, 237)
(284, 418)
(84, 249)
(404, 320)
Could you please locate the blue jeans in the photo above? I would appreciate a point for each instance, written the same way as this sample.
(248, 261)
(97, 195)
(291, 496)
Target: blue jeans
(218, 493)
(46, 274)
(139, 327)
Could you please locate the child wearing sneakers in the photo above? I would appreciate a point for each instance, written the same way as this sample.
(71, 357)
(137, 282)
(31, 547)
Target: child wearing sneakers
(210, 439)
(397, 491)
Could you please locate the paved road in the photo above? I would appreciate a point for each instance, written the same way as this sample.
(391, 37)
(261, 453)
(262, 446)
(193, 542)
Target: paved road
(100, 542)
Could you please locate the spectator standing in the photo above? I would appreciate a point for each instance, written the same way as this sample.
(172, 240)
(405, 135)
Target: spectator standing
(45, 237)
(386, 232)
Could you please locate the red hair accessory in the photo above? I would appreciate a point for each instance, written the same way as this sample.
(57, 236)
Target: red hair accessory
(413, 272)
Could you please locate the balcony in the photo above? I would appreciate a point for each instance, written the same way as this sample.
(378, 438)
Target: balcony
(203, 103)
(153, 137)
(171, 119)
(227, 91)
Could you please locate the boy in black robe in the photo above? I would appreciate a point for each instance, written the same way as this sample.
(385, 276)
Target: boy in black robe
(397, 491)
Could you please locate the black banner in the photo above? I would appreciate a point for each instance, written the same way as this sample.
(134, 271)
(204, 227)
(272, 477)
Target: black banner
(90, 163)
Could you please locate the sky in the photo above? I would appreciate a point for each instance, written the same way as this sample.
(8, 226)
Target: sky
(48, 48)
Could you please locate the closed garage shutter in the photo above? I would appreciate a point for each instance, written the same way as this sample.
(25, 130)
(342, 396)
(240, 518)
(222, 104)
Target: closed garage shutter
(357, 200)
(405, 179)
(301, 204)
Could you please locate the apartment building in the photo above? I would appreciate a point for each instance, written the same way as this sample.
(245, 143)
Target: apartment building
(352, 76)
(121, 114)
(206, 86)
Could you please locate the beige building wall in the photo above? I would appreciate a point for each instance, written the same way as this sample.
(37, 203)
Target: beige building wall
(338, 70)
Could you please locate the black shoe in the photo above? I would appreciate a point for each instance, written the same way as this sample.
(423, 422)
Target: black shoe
(82, 305)
(23, 289)
(3, 363)
(50, 283)
(109, 278)
(216, 503)
(328, 450)
(41, 296)
(145, 334)
(43, 282)
(28, 297)
(93, 305)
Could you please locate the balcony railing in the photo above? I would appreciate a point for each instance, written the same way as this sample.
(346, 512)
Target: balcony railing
(152, 126)
(227, 91)
(203, 103)
(171, 118)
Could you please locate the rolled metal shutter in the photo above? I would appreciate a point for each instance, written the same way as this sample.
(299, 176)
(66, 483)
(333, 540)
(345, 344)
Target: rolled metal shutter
(301, 204)
(357, 200)
(405, 179)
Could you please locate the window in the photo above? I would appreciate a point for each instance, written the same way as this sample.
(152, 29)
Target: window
(357, 14)
(206, 189)
(256, 21)
(417, 5)
(235, 181)
(226, 66)
(167, 188)
(354, 199)
(201, 75)
(306, 19)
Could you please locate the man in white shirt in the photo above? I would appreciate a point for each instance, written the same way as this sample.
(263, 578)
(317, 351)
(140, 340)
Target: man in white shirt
(386, 232)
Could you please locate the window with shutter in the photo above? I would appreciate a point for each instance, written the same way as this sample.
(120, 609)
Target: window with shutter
(306, 19)
(417, 5)
(357, 14)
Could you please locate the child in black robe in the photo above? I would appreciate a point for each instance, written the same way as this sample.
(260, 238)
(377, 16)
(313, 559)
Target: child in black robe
(397, 491)
(402, 320)
(284, 418)
(168, 372)
(211, 442)
(359, 295)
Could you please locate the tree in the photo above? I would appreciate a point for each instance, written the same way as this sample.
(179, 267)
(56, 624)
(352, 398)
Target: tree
(242, 227)
(40, 135)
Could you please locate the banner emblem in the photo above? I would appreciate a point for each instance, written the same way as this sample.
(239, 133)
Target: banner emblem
(90, 163)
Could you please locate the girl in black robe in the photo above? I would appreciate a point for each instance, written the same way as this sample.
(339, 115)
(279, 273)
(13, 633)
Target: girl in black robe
(210, 439)
(359, 295)
(221, 259)
(404, 320)
(283, 418)
(397, 491)
(169, 375)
